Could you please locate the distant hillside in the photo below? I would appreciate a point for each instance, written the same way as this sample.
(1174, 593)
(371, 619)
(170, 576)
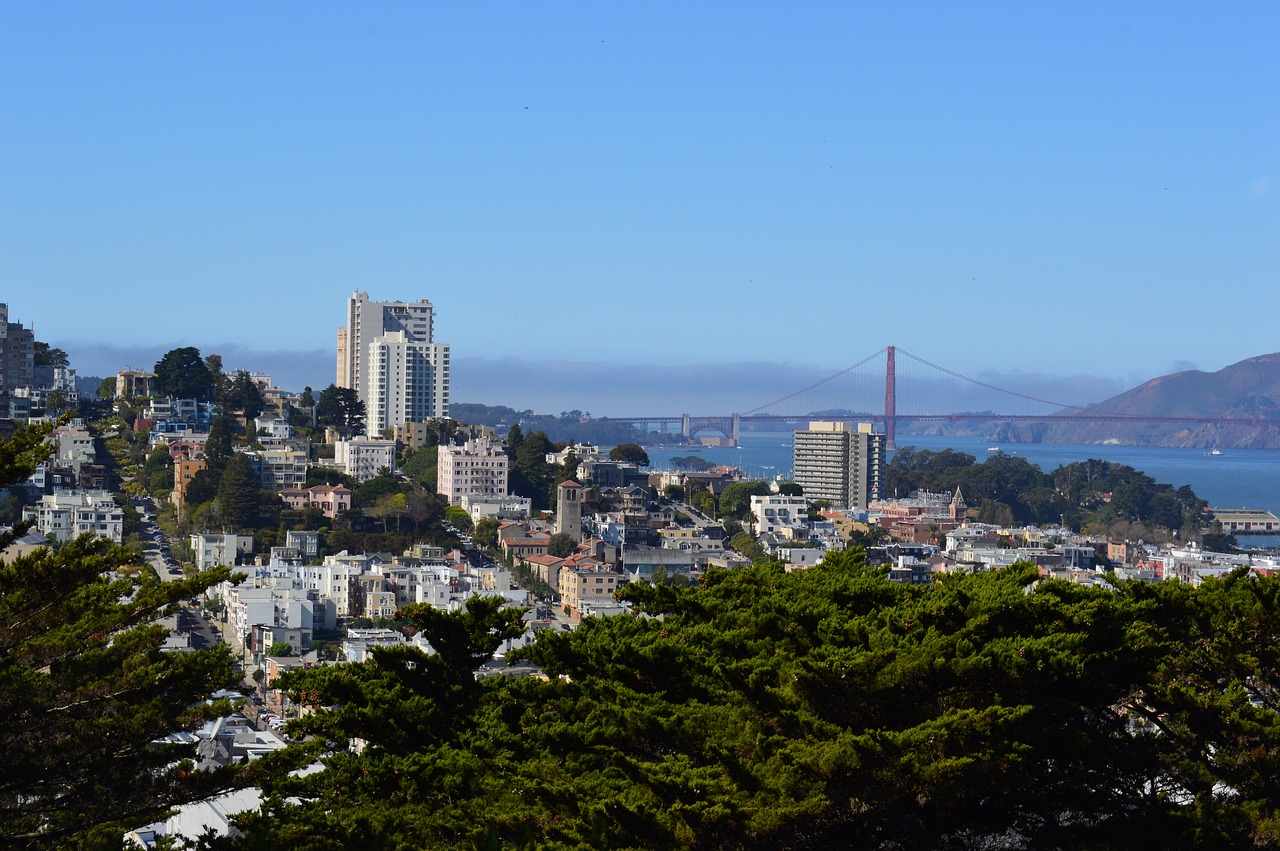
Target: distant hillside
(1243, 391)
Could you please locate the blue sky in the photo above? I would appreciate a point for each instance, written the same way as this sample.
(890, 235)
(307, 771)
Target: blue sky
(697, 199)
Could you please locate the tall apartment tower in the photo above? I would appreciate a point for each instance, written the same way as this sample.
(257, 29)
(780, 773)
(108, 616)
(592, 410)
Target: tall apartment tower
(838, 463)
(386, 353)
(17, 353)
(408, 382)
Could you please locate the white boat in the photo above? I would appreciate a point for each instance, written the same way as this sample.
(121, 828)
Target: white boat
(993, 449)
(1213, 452)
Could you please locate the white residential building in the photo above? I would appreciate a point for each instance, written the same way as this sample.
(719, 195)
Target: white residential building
(212, 550)
(65, 515)
(369, 320)
(775, 513)
(407, 381)
(479, 467)
(362, 457)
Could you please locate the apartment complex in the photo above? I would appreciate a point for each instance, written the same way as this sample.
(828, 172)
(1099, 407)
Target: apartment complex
(839, 463)
(64, 515)
(408, 381)
(478, 467)
(378, 333)
(17, 353)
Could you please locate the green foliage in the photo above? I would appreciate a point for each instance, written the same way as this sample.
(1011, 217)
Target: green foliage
(86, 690)
(367, 493)
(46, 355)
(218, 446)
(568, 427)
(421, 467)
(182, 373)
(561, 545)
(238, 493)
(280, 648)
(746, 543)
(341, 408)
(632, 453)
(530, 474)
(458, 516)
(244, 395)
(735, 500)
(691, 462)
(825, 708)
(486, 533)
(1010, 490)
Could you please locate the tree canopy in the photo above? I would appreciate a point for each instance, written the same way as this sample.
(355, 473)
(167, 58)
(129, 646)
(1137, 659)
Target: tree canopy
(341, 408)
(1011, 490)
(810, 710)
(86, 689)
(632, 453)
(183, 374)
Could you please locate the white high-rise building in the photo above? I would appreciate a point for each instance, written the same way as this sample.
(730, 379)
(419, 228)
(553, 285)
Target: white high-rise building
(367, 321)
(834, 462)
(408, 381)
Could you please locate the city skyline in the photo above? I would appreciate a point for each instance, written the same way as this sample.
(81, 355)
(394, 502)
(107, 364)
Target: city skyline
(685, 197)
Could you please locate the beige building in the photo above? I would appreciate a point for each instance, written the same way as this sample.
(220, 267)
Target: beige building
(479, 467)
(839, 463)
(588, 586)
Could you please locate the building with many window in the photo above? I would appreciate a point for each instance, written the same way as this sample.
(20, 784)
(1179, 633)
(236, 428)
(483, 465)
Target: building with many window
(17, 353)
(408, 381)
(478, 467)
(362, 457)
(839, 463)
(65, 515)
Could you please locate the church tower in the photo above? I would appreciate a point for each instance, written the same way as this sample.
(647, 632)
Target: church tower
(958, 507)
(569, 509)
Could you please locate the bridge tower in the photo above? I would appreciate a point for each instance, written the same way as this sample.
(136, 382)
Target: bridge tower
(685, 427)
(890, 399)
(737, 429)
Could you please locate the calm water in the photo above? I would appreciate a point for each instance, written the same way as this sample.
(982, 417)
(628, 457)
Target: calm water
(1239, 478)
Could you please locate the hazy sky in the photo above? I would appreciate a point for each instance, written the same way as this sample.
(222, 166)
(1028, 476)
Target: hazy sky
(1015, 190)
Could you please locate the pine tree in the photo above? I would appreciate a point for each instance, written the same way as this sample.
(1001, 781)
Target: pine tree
(86, 689)
(238, 493)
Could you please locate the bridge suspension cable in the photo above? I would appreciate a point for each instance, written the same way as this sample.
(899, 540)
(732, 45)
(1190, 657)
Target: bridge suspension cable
(816, 384)
(955, 374)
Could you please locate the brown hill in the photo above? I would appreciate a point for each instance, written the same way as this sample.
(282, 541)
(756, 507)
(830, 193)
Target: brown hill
(1245, 391)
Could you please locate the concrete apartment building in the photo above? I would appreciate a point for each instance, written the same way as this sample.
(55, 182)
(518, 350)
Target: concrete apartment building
(479, 467)
(17, 353)
(362, 457)
(839, 463)
(408, 381)
(387, 354)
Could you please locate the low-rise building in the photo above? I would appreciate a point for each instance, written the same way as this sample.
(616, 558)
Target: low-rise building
(362, 458)
(64, 515)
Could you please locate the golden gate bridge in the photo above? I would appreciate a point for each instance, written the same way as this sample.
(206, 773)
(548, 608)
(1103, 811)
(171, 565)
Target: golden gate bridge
(887, 391)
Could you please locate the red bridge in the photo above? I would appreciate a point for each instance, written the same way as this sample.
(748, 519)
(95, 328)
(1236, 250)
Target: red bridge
(854, 394)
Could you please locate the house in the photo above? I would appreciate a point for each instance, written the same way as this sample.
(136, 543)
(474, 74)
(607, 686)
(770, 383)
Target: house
(332, 500)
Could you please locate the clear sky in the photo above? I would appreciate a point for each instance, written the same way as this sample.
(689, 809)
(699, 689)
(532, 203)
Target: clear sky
(1087, 193)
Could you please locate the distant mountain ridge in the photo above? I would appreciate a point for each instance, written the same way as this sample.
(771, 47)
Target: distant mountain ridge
(1245, 391)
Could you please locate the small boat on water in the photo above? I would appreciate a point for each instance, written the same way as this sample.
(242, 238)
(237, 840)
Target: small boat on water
(994, 449)
(1213, 453)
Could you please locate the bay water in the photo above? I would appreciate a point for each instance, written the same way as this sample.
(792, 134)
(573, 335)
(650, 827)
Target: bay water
(1238, 478)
